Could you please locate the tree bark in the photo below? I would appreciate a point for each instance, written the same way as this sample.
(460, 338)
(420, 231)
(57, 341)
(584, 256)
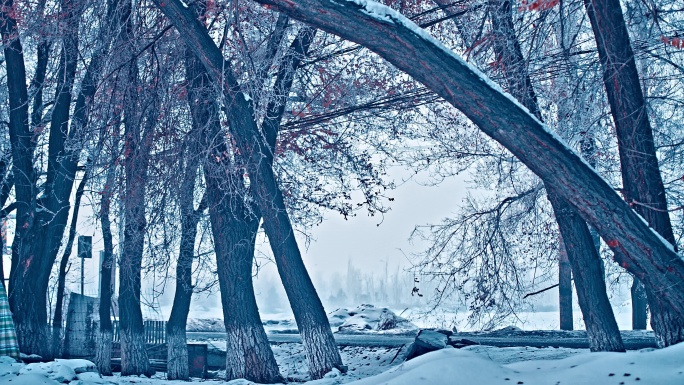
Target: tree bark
(319, 343)
(564, 287)
(577, 242)
(639, 305)
(642, 182)
(31, 332)
(138, 140)
(177, 362)
(412, 50)
(602, 329)
(103, 355)
(234, 228)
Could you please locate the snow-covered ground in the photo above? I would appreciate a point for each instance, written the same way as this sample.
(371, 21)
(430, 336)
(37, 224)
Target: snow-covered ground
(479, 365)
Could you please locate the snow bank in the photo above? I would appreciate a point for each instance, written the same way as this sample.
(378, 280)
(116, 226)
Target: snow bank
(206, 325)
(368, 318)
(74, 372)
(448, 366)
(364, 318)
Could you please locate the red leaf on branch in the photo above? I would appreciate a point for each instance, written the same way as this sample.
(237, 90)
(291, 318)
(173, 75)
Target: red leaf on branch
(675, 41)
(537, 5)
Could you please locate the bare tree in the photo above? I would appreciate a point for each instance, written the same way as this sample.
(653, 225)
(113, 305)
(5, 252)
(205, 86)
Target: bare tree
(141, 110)
(177, 364)
(642, 183)
(397, 39)
(321, 349)
(45, 217)
(43, 210)
(578, 243)
(103, 354)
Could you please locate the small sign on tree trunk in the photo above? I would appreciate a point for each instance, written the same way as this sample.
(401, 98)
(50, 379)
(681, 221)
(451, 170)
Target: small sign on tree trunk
(85, 246)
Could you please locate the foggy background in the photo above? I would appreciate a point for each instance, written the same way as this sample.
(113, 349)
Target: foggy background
(360, 260)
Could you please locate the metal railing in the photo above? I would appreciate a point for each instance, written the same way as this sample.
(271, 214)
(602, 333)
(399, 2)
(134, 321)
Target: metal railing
(155, 331)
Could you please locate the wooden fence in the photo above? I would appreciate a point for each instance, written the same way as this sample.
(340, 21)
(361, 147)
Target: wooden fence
(155, 331)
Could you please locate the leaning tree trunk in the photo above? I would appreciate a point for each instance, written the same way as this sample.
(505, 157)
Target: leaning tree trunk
(234, 227)
(105, 335)
(312, 322)
(400, 41)
(642, 182)
(602, 329)
(578, 243)
(319, 343)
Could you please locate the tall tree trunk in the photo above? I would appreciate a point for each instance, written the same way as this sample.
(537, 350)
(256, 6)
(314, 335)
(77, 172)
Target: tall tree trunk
(564, 287)
(105, 335)
(103, 353)
(319, 343)
(177, 362)
(642, 183)
(134, 360)
(639, 305)
(57, 319)
(234, 228)
(248, 353)
(602, 328)
(32, 336)
(138, 130)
